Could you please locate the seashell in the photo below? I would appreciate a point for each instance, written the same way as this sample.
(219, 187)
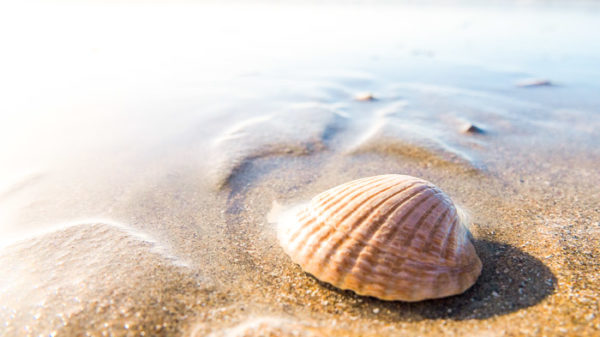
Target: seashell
(365, 97)
(394, 237)
(472, 129)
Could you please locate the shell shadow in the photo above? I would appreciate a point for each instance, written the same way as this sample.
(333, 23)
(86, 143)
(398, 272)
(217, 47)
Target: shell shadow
(510, 280)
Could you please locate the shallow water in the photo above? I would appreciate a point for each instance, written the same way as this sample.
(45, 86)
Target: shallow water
(142, 148)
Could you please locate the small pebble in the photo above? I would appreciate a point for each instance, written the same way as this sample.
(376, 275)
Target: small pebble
(376, 310)
(365, 96)
(534, 82)
(472, 128)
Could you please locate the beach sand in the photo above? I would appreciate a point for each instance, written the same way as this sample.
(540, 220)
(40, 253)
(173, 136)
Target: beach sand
(138, 197)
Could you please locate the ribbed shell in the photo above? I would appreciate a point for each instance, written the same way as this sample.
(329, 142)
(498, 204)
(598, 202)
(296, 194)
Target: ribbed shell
(394, 237)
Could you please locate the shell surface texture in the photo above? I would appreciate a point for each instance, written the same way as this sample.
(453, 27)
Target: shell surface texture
(394, 237)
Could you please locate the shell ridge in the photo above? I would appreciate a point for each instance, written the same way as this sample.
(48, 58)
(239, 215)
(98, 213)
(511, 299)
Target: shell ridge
(338, 243)
(348, 187)
(430, 239)
(437, 223)
(353, 256)
(302, 216)
(442, 246)
(384, 251)
(380, 222)
(446, 248)
(308, 253)
(309, 212)
(398, 265)
(357, 189)
(408, 241)
(434, 229)
(369, 198)
(361, 220)
(400, 222)
(302, 226)
(345, 235)
(343, 203)
(446, 269)
(330, 195)
(298, 231)
(431, 221)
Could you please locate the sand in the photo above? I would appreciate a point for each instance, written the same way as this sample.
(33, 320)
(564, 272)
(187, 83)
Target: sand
(139, 200)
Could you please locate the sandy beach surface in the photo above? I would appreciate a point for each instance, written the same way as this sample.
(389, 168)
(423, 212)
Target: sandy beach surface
(147, 148)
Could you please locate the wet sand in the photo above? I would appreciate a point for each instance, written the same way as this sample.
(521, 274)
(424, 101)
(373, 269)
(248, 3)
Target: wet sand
(135, 200)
